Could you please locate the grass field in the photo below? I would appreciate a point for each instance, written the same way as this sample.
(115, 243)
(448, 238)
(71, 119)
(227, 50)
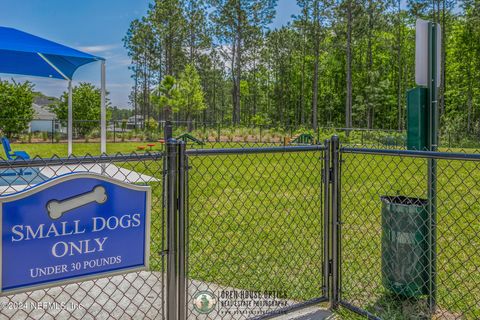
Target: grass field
(47, 150)
(256, 223)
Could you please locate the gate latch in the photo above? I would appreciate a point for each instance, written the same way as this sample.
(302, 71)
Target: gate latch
(330, 267)
(327, 175)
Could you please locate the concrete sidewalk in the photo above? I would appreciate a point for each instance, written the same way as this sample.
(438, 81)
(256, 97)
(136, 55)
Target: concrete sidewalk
(310, 313)
(142, 295)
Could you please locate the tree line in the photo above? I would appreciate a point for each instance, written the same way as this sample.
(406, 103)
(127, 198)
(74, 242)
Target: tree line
(342, 63)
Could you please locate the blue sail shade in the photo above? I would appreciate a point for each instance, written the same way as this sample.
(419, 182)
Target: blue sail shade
(21, 53)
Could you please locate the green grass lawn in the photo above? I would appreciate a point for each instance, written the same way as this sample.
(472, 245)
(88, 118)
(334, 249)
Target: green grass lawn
(255, 222)
(47, 150)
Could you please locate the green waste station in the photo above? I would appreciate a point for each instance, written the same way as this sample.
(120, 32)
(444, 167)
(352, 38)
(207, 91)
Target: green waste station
(408, 251)
(417, 123)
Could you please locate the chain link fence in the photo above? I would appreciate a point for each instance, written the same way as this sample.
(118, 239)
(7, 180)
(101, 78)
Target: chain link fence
(136, 295)
(405, 253)
(253, 232)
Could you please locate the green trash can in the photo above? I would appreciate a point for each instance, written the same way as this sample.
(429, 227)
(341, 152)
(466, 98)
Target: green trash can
(405, 245)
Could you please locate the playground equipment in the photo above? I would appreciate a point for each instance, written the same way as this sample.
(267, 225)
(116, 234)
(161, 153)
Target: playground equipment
(304, 138)
(187, 137)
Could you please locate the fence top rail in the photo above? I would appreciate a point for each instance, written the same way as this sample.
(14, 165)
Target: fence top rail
(226, 151)
(414, 153)
(362, 129)
(87, 159)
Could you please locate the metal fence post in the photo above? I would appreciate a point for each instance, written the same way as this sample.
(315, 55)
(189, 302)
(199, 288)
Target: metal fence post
(53, 130)
(335, 235)
(432, 163)
(326, 221)
(168, 130)
(172, 272)
(181, 243)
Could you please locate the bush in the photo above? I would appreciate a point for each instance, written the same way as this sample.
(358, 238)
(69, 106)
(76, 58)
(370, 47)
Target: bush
(151, 125)
(86, 108)
(16, 109)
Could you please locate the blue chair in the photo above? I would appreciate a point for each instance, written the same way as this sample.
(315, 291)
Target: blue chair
(15, 155)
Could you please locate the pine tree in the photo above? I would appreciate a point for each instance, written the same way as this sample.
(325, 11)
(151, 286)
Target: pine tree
(191, 98)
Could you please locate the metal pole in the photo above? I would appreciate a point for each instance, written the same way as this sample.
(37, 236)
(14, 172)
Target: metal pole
(70, 119)
(172, 276)
(103, 110)
(53, 130)
(336, 249)
(432, 163)
(168, 130)
(181, 249)
(326, 222)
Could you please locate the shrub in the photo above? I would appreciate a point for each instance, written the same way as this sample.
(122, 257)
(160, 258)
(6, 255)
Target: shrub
(16, 110)
(86, 107)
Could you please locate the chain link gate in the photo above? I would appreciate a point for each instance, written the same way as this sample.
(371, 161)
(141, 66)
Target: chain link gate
(246, 231)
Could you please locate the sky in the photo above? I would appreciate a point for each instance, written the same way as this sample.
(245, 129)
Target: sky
(94, 26)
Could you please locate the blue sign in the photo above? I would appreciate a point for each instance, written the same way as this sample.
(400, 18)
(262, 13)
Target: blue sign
(73, 228)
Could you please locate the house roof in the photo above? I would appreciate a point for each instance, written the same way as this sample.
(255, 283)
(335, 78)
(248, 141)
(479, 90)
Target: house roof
(42, 113)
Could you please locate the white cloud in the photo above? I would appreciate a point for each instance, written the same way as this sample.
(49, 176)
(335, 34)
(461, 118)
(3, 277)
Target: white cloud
(98, 48)
(118, 85)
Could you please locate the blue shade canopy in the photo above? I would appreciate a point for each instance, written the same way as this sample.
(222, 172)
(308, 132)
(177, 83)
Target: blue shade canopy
(26, 54)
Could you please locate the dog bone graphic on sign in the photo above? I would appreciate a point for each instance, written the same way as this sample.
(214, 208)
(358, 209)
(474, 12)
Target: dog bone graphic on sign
(57, 209)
